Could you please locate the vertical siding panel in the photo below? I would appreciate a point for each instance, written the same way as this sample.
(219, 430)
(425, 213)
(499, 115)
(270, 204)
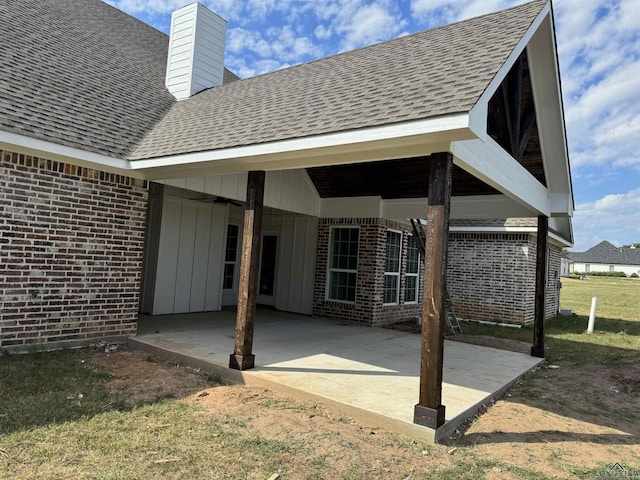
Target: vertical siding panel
(213, 184)
(229, 186)
(195, 183)
(216, 258)
(167, 256)
(200, 258)
(185, 257)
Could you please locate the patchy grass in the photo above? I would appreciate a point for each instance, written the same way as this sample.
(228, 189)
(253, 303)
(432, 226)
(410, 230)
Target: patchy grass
(85, 414)
(616, 338)
(51, 388)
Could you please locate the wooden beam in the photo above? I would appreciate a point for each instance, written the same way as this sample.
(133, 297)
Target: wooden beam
(429, 411)
(242, 357)
(516, 103)
(528, 122)
(537, 350)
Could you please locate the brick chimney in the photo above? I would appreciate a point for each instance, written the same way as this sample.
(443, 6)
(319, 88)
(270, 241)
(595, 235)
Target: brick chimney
(195, 60)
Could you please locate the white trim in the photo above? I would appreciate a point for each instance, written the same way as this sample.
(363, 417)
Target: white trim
(330, 269)
(488, 162)
(393, 274)
(478, 114)
(452, 127)
(493, 229)
(56, 152)
(413, 275)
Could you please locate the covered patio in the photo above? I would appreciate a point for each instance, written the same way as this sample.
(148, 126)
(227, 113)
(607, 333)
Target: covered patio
(370, 374)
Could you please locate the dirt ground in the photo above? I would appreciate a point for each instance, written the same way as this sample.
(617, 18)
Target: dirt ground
(561, 421)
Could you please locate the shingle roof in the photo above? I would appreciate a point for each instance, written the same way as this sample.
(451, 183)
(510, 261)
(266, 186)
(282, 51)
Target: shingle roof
(82, 73)
(436, 72)
(607, 253)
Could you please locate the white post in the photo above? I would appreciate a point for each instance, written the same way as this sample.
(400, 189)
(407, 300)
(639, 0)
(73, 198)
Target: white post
(592, 315)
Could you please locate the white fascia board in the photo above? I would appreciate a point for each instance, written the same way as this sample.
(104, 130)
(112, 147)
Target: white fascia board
(561, 205)
(487, 206)
(488, 162)
(478, 114)
(53, 151)
(476, 206)
(545, 83)
(420, 137)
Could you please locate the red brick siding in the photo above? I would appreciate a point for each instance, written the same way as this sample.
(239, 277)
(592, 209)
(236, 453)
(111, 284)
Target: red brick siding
(489, 276)
(368, 307)
(71, 244)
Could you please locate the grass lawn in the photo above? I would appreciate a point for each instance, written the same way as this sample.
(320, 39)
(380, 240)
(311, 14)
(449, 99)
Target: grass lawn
(86, 414)
(616, 337)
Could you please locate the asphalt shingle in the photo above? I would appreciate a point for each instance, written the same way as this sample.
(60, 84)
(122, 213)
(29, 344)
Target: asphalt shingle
(435, 72)
(607, 253)
(82, 73)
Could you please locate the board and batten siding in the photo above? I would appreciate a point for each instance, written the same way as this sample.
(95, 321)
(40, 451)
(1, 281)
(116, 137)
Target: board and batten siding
(190, 256)
(288, 190)
(295, 273)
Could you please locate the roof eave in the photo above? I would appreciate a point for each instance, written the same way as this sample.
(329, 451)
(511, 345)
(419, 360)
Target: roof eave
(400, 140)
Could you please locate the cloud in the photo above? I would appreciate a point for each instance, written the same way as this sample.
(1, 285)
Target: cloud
(614, 217)
(599, 49)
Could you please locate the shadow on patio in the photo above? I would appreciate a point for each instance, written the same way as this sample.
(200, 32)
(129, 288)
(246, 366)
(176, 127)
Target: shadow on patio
(370, 370)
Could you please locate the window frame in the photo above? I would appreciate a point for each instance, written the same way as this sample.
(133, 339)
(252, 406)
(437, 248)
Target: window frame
(229, 262)
(331, 269)
(412, 274)
(392, 274)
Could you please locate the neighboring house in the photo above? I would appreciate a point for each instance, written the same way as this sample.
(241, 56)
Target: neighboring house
(133, 165)
(606, 257)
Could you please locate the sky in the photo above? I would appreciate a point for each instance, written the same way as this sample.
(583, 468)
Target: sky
(599, 54)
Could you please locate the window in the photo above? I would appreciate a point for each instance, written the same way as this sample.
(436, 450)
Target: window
(392, 268)
(230, 257)
(343, 264)
(611, 268)
(587, 268)
(413, 268)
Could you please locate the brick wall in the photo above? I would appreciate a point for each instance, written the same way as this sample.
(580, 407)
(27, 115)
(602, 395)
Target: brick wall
(71, 244)
(368, 307)
(490, 276)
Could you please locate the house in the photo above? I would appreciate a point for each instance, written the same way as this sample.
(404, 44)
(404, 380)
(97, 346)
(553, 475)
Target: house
(138, 174)
(606, 257)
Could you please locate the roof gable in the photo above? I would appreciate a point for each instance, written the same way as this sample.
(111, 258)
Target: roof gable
(427, 74)
(607, 253)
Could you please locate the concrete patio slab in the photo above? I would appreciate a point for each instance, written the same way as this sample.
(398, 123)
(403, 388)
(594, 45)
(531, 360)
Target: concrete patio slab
(368, 373)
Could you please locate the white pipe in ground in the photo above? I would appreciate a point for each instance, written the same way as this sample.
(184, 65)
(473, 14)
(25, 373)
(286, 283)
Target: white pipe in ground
(592, 315)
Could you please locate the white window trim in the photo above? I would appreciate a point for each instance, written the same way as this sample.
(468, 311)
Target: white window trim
(340, 270)
(416, 275)
(393, 274)
(236, 262)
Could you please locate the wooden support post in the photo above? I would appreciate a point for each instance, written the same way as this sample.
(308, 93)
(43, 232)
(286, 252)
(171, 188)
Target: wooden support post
(537, 350)
(430, 411)
(242, 357)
